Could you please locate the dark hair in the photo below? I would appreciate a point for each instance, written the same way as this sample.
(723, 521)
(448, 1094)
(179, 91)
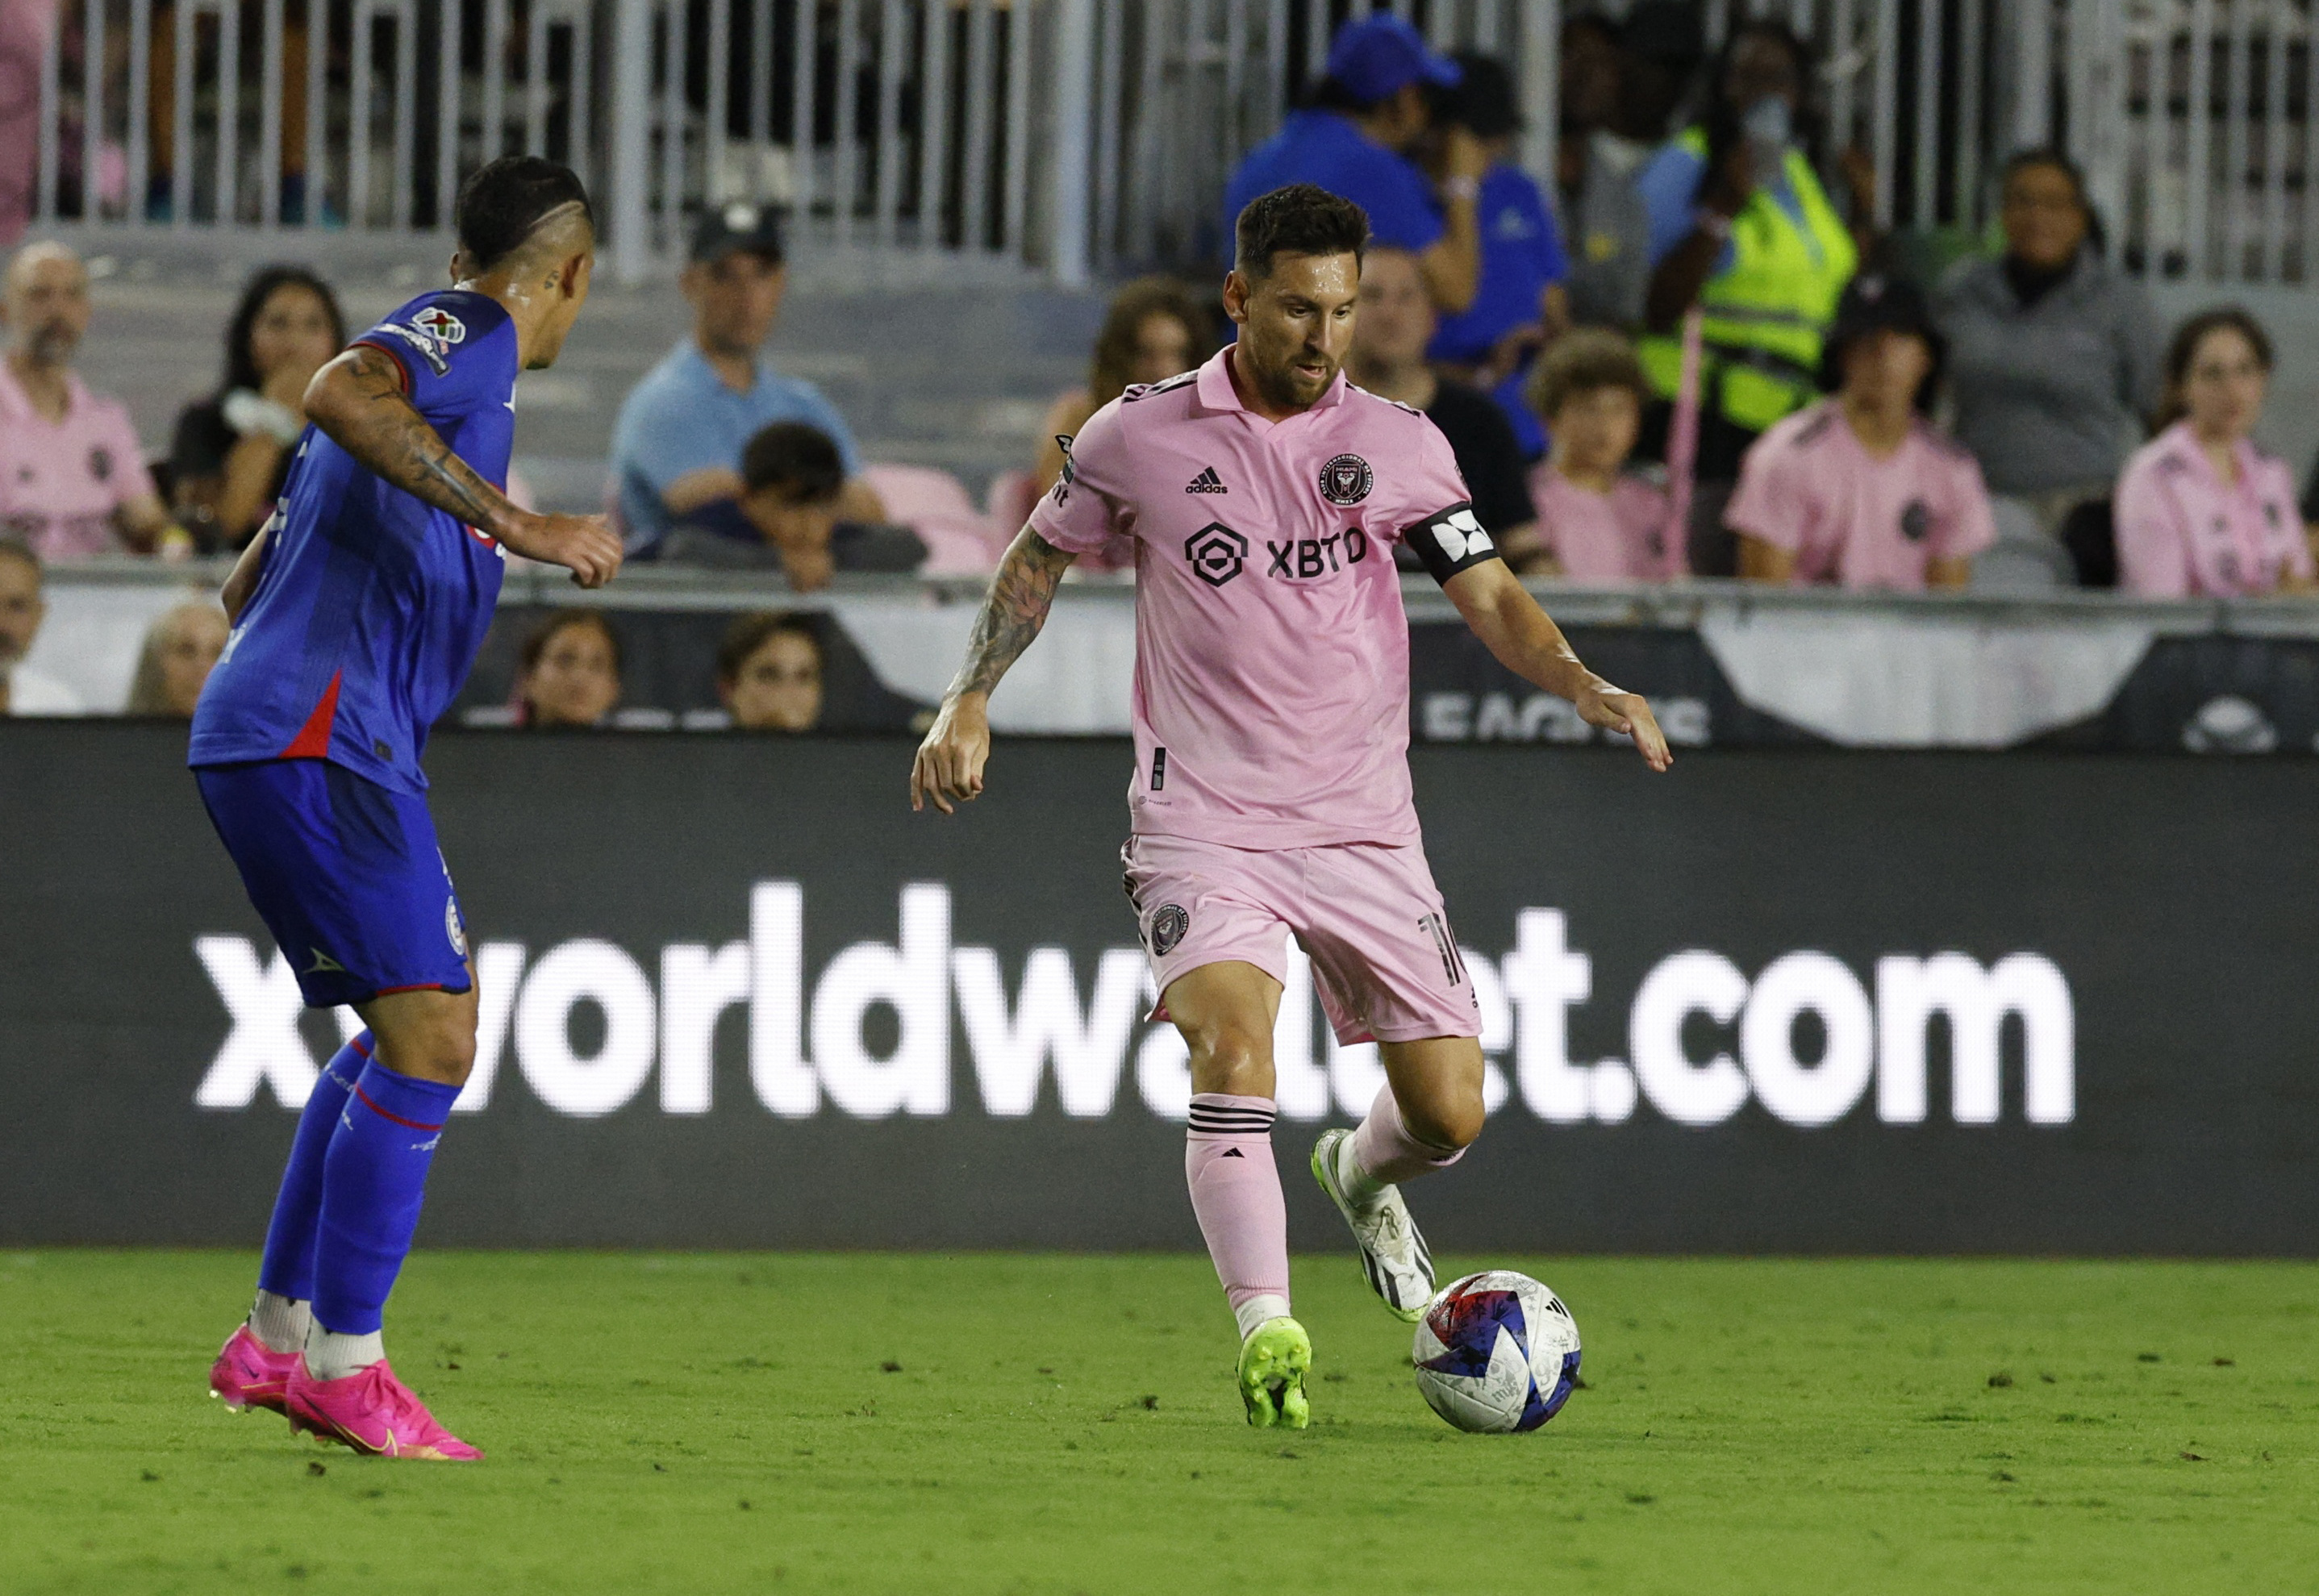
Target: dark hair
(564, 620)
(1483, 101)
(1327, 95)
(2048, 156)
(1300, 219)
(16, 548)
(751, 632)
(802, 461)
(507, 198)
(1724, 131)
(1581, 361)
(2184, 349)
(241, 365)
(1135, 303)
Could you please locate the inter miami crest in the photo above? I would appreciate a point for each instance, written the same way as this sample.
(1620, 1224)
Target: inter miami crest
(1346, 480)
(1170, 921)
(1917, 521)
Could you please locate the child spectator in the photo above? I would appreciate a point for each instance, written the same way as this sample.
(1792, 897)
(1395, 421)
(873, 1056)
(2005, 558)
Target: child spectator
(72, 478)
(1390, 334)
(2201, 510)
(1154, 329)
(1596, 523)
(180, 649)
(1858, 489)
(571, 671)
(231, 450)
(793, 495)
(22, 610)
(680, 431)
(769, 673)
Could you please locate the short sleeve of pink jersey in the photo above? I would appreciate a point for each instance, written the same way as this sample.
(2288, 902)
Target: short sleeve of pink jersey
(1774, 499)
(2153, 548)
(1971, 524)
(1084, 509)
(109, 425)
(1432, 482)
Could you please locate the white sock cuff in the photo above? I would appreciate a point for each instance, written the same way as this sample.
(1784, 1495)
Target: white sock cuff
(1257, 1309)
(330, 1356)
(279, 1322)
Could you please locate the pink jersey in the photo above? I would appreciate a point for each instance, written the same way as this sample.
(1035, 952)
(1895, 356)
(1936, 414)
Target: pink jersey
(2180, 532)
(1807, 485)
(1620, 535)
(60, 481)
(1271, 649)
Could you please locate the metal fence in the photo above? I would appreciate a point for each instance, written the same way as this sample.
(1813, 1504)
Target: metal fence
(1086, 136)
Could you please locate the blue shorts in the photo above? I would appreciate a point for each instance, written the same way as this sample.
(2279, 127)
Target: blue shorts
(345, 874)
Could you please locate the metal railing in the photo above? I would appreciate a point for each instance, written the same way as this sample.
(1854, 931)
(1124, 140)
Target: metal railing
(1087, 136)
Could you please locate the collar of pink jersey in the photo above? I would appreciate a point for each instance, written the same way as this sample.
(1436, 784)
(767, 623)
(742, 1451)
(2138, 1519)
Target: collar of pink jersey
(2185, 443)
(1218, 391)
(17, 405)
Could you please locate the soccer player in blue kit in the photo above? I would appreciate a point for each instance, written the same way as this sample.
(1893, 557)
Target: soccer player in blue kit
(357, 612)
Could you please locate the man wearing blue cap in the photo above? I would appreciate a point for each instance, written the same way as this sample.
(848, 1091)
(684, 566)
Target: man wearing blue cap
(1353, 139)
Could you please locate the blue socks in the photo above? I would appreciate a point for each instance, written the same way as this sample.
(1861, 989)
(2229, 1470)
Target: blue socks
(287, 1269)
(374, 1181)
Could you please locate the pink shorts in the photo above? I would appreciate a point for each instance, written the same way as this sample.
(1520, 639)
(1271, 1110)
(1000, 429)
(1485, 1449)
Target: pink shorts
(1368, 914)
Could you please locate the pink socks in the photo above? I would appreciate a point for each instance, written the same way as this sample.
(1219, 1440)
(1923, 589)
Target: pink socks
(1381, 1152)
(1236, 1195)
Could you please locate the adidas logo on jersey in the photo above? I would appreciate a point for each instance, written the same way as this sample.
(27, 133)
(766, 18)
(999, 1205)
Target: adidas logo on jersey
(1208, 482)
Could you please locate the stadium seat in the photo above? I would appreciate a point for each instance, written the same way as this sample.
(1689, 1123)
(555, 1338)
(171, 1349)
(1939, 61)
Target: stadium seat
(960, 539)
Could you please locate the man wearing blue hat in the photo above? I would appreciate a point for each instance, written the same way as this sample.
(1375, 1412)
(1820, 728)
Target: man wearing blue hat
(1353, 138)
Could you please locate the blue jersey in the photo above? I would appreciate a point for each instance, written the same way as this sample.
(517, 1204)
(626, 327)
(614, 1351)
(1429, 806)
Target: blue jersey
(1522, 258)
(371, 605)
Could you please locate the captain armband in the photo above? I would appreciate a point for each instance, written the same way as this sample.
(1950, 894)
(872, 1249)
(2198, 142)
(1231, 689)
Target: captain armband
(1449, 541)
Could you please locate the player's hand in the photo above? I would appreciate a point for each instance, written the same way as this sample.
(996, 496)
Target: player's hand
(1628, 714)
(949, 766)
(584, 544)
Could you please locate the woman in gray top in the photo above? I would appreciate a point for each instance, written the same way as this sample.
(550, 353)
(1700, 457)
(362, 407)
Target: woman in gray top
(2055, 359)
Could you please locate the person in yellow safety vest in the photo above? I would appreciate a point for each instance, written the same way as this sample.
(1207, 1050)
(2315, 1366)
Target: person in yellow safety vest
(1741, 228)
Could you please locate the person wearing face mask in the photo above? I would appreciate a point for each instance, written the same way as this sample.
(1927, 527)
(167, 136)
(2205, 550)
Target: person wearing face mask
(231, 452)
(1741, 228)
(2053, 357)
(2202, 512)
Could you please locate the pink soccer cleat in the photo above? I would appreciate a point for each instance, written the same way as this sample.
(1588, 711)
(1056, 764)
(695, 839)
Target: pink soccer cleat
(249, 1374)
(372, 1412)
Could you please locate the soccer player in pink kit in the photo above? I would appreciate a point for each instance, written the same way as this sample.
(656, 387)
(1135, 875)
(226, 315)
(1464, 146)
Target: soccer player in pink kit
(1271, 792)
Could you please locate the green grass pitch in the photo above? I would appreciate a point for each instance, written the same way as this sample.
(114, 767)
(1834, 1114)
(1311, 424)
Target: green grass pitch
(754, 1423)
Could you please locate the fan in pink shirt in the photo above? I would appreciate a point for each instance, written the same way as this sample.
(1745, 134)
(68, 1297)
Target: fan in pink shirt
(1859, 490)
(2200, 512)
(72, 478)
(1597, 523)
(1270, 797)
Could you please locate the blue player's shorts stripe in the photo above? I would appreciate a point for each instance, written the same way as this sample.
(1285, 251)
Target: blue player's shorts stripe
(346, 875)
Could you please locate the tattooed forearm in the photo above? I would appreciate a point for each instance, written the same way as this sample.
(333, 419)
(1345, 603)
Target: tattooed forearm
(358, 403)
(1021, 594)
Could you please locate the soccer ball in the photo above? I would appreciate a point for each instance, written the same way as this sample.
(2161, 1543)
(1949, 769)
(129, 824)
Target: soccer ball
(1496, 1352)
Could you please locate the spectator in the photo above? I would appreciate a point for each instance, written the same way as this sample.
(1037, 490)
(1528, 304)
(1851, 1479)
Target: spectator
(1858, 489)
(1607, 231)
(1366, 118)
(231, 450)
(569, 674)
(1520, 303)
(72, 480)
(1393, 326)
(680, 431)
(1154, 329)
(788, 514)
(2202, 512)
(769, 673)
(1595, 522)
(2053, 357)
(1661, 43)
(22, 610)
(1740, 227)
(179, 651)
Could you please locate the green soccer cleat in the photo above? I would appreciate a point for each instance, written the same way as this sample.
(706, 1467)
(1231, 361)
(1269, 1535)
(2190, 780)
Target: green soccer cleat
(1273, 1363)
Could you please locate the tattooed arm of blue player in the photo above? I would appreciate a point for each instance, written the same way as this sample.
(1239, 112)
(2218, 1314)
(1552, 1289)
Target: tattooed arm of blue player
(1527, 642)
(357, 400)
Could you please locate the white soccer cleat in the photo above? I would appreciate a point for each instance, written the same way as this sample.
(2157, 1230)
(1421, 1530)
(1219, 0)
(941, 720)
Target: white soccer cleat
(1393, 1253)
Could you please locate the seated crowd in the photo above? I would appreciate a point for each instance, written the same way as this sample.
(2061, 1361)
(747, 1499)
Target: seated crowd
(1689, 353)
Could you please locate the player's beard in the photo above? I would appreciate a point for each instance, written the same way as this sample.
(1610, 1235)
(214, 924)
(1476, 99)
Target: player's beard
(1287, 388)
